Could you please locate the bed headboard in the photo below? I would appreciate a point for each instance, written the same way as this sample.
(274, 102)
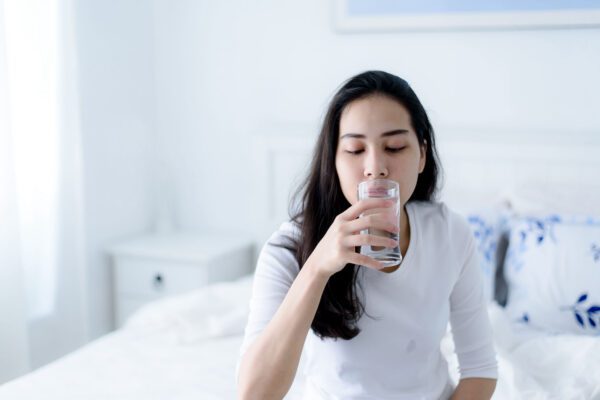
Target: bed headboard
(483, 166)
(281, 162)
(479, 166)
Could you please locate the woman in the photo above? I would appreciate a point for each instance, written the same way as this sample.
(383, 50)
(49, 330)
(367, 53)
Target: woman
(369, 332)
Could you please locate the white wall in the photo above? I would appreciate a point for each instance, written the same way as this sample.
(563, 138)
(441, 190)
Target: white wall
(115, 45)
(227, 70)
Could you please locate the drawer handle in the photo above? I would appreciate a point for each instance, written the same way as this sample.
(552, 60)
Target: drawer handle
(158, 281)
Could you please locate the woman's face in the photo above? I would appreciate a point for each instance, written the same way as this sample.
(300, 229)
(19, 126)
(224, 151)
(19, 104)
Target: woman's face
(376, 141)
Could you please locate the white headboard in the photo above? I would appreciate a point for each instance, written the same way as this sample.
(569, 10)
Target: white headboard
(480, 167)
(281, 162)
(483, 166)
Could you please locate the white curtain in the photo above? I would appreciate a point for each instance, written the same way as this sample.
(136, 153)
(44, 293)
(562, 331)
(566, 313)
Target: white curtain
(40, 187)
(13, 328)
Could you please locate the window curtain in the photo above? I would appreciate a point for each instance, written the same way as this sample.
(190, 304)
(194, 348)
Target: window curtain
(13, 327)
(41, 189)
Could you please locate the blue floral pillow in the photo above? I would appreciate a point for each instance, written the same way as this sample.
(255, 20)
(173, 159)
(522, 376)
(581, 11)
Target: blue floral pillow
(487, 227)
(553, 273)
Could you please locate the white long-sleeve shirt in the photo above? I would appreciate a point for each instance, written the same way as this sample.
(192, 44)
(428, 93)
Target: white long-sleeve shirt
(397, 353)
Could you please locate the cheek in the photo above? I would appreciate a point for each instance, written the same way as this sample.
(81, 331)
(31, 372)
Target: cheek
(406, 190)
(409, 174)
(343, 168)
(347, 177)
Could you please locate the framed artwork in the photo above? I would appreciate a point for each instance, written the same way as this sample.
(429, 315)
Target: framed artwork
(404, 15)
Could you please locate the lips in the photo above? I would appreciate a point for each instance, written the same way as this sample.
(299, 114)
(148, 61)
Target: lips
(378, 192)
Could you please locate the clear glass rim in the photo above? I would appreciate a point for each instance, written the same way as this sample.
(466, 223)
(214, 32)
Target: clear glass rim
(387, 188)
(388, 183)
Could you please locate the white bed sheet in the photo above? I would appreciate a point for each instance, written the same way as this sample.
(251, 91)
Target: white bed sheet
(125, 366)
(168, 351)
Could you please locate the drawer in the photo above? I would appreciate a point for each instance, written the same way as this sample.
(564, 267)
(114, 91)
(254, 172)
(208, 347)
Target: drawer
(144, 277)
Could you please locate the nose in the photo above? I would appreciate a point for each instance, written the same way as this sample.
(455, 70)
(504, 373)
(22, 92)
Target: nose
(375, 166)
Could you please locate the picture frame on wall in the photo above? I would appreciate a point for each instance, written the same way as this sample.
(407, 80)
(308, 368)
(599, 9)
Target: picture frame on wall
(422, 15)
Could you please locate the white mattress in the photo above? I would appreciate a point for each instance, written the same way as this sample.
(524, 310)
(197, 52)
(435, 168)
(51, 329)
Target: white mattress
(187, 348)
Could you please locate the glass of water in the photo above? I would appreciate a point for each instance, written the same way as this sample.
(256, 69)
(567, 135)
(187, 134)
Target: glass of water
(381, 189)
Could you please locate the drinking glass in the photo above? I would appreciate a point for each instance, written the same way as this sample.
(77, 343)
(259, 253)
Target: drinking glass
(382, 189)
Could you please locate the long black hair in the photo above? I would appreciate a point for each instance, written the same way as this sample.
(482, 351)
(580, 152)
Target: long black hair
(321, 197)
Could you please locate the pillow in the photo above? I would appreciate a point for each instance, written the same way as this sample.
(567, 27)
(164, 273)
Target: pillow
(553, 273)
(487, 226)
(216, 310)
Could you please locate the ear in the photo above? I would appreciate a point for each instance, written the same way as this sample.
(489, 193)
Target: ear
(423, 158)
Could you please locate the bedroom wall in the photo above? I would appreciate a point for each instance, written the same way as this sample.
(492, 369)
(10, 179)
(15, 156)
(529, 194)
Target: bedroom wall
(115, 47)
(228, 70)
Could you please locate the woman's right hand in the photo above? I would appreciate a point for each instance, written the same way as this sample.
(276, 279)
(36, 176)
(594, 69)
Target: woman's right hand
(337, 247)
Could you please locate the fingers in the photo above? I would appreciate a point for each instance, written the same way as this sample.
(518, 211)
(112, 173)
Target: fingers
(357, 209)
(379, 214)
(369, 240)
(365, 261)
(385, 223)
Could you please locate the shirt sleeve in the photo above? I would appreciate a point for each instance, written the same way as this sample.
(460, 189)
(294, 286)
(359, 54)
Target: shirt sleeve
(471, 328)
(275, 272)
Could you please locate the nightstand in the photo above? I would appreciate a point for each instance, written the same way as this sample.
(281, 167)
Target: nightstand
(150, 267)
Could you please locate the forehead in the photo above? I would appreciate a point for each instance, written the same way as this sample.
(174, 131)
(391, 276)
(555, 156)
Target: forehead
(373, 115)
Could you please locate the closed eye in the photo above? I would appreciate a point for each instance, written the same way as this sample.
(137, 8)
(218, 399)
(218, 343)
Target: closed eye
(390, 149)
(395, 149)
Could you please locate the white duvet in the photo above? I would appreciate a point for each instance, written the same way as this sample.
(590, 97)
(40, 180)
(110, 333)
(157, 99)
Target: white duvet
(186, 347)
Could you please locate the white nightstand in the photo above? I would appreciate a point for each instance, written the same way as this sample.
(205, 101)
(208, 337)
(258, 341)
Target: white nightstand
(150, 267)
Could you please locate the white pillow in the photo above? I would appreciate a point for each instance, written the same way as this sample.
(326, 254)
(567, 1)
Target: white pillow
(553, 273)
(536, 197)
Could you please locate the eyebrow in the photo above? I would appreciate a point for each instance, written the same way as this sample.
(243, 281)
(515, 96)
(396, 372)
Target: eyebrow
(384, 134)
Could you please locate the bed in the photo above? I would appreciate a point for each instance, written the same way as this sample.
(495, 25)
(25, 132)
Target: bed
(162, 353)
(186, 347)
